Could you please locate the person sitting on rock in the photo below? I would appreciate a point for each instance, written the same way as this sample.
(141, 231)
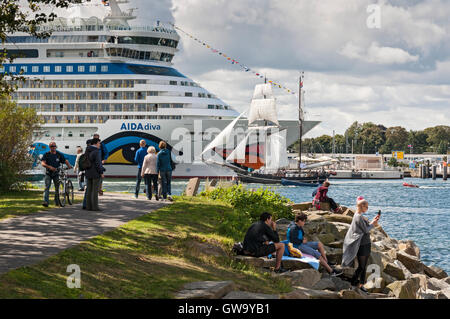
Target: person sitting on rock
(262, 240)
(320, 196)
(357, 243)
(296, 235)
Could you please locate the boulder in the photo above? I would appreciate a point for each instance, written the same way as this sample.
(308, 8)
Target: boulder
(205, 290)
(421, 280)
(444, 294)
(394, 270)
(315, 218)
(253, 261)
(306, 278)
(283, 221)
(348, 212)
(341, 229)
(409, 247)
(336, 244)
(338, 218)
(392, 253)
(301, 206)
(325, 284)
(340, 284)
(412, 263)
(192, 186)
(249, 295)
(387, 244)
(205, 249)
(447, 280)
(403, 289)
(437, 284)
(304, 293)
(435, 272)
(406, 272)
(326, 238)
(387, 278)
(295, 264)
(334, 254)
(351, 294)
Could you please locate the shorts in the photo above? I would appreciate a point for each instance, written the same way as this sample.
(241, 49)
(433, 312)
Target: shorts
(310, 248)
(364, 250)
(265, 250)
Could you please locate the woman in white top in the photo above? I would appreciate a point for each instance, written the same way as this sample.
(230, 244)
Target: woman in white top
(150, 173)
(80, 174)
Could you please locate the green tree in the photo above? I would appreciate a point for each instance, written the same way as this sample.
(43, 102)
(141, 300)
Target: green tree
(15, 18)
(18, 124)
(418, 140)
(371, 137)
(436, 135)
(396, 140)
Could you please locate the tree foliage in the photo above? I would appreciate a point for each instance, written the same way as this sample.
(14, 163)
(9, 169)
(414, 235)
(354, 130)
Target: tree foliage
(18, 125)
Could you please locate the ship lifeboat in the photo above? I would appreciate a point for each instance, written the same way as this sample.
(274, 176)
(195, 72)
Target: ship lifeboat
(410, 185)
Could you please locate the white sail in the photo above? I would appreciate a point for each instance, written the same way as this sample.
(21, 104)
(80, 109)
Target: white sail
(223, 137)
(253, 137)
(263, 91)
(276, 155)
(263, 109)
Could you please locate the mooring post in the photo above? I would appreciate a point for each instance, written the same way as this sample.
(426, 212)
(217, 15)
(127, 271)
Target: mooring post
(444, 174)
(434, 168)
(421, 170)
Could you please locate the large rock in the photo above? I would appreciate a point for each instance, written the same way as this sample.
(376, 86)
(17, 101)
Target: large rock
(192, 186)
(334, 255)
(407, 273)
(326, 238)
(351, 294)
(304, 293)
(253, 261)
(301, 206)
(315, 218)
(409, 247)
(205, 290)
(249, 295)
(435, 272)
(325, 284)
(412, 263)
(437, 284)
(306, 278)
(388, 279)
(421, 280)
(447, 280)
(394, 270)
(348, 212)
(295, 264)
(341, 229)
(336, 244)
(444, 294)
(340, 284)
(339, 218)
(403, 289)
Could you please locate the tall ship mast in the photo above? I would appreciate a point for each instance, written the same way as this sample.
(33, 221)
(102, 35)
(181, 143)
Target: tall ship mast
(98, 73)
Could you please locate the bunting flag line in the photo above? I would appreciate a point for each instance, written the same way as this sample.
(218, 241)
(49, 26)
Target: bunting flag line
(234, 61)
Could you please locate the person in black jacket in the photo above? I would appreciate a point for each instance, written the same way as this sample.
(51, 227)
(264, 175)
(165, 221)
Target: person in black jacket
(94, 174)
(257, 241)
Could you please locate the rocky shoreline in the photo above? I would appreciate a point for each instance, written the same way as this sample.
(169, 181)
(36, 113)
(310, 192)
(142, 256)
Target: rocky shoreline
(398, 272)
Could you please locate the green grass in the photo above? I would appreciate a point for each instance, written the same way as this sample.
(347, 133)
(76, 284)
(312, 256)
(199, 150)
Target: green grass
(150, 257)
(25, 202)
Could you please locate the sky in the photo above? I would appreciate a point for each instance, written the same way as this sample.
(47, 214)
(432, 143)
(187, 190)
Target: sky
(387, 61)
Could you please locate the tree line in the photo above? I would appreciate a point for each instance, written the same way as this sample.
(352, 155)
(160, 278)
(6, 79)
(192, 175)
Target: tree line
(370, 138)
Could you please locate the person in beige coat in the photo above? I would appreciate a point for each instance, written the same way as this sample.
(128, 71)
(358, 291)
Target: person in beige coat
(150, 173)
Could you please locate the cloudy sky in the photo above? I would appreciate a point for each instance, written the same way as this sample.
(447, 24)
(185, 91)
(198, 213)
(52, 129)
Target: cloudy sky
(397, 74)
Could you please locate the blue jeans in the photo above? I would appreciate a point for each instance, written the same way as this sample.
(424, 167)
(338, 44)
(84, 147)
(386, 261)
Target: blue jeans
(149, 180)
(166, 179)
(138, 182)
(310, 248)
(48, 183)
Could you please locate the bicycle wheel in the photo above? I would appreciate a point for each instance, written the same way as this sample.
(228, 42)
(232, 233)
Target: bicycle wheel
(69, 192)
(62, 194)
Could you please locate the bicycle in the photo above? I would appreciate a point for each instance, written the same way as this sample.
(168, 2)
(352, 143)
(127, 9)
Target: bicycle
(66, 187)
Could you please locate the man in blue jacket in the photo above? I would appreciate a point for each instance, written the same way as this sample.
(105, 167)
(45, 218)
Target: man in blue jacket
(139, 159)
(104, 154)
(296, 236)
(164, 168)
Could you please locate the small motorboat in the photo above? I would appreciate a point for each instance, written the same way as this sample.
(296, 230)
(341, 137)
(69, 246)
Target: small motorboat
(410, 185)
(287, 182)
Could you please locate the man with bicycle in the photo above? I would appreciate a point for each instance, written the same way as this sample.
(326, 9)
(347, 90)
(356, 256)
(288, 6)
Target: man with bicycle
(52, 160)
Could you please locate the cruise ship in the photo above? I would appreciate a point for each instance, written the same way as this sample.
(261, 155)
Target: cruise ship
(98, 73)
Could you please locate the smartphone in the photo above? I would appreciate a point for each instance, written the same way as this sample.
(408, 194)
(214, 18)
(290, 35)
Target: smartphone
(379, 213)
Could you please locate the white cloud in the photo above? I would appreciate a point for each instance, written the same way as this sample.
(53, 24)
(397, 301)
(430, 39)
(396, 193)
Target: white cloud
(378, 55)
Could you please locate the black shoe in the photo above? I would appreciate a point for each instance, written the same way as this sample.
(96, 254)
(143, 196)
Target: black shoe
(364, 289)
(83, 208)
(45, 204)
(156, 197)
(280, 270)
(330, 263)
(336, 273)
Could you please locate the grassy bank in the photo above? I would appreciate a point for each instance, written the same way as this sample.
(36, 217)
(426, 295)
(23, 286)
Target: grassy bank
(150, 257)
(25, 202)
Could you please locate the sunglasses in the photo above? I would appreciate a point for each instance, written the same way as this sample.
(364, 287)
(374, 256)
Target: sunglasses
(52, 146)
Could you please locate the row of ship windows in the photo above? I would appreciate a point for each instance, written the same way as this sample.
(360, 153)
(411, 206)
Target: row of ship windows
(95, 95)
(106, 107)
(103, 118)
(58, 69)
(35, 84)
(94, 38)
(140, 55)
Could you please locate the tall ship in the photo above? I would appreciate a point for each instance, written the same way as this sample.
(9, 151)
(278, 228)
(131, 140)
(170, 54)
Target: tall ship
(101, 74)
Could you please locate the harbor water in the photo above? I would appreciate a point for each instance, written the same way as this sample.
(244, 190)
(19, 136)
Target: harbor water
(420, 214)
